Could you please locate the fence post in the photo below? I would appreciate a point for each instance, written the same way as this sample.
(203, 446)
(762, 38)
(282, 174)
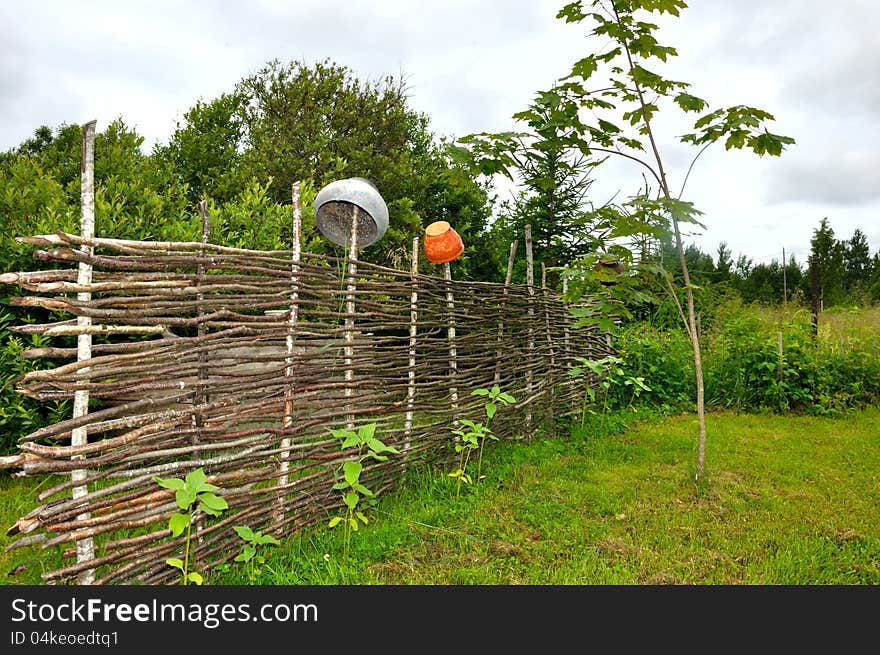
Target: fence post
(293, 318)
(501, 309)
(530, 281)
(199, 398)
(349, 317)
(453, 355)
(413, 332)
(551, 371)
(85, 548)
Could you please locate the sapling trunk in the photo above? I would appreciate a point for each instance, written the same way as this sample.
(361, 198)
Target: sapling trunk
(691, 314)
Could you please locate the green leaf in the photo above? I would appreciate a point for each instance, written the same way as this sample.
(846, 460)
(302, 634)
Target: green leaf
(506, 397)
(175, 562)
(354, 524)
(196, 478)
(336, 520)
(351, 440)
(177, 524)
(366, 432)
(351, 500)
(169, 483)
(247, 553)
(361, 516)
(244, 532)
(491, 408)
(267, 539)
(690, 103)
(195, 577)
(341, 485)
(363, 490)
(185, 497)
(480, 392)
(213, 502)
(352, 471)
(585, 67)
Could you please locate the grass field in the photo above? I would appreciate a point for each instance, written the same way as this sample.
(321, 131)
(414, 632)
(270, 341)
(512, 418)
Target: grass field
(789, 500)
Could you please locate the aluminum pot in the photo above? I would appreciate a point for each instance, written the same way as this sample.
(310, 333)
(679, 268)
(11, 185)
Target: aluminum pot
(334, 208)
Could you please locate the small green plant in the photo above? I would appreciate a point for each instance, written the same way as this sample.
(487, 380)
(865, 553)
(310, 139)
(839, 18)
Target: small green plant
(194, 495)
(354, 493)
(255, 543)
(475, 435)
(610, 372)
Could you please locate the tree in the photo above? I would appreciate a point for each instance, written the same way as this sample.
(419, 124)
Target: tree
(828, 255)
(555, 180)
(632, 98)
(315, 124)
(858, 267)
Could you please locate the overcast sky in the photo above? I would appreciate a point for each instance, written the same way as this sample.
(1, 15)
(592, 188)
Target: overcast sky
(471, 64)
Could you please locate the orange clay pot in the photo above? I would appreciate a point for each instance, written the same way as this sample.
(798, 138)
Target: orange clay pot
(442, 243)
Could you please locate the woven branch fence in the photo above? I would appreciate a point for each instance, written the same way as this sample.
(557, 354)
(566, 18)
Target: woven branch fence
(240, 362)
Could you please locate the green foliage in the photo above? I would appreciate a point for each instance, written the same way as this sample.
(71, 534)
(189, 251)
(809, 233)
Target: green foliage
(252, 554)
(194, 495)
(474, 435)
(354, 493)
(744, 370)
(608, 373)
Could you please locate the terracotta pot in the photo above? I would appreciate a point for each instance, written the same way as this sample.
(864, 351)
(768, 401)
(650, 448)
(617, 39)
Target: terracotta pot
(442, 243)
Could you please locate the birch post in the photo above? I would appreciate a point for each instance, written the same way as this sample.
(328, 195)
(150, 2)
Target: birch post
(413, 333)
(551, 372)
(293, 317)
(351, 287)
(566, 337)
(507, 280)
(530, 281)
(85, 548)
(453, 355)
(199, 397)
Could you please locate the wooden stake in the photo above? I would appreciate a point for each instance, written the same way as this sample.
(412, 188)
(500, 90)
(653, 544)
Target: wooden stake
(453, 355)
(295, 256)
(413, 332)
(349, 317)
(530, 281)
(85, 548)
(507, 280)
(551, 371)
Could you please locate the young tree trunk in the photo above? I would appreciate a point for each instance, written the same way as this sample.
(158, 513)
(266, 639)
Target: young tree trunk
(691, 313)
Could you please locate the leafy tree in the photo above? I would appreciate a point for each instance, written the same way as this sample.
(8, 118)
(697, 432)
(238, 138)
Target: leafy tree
(617, 118)
(205, 151)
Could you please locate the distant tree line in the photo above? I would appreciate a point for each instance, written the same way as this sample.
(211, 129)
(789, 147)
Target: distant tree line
(847, 273)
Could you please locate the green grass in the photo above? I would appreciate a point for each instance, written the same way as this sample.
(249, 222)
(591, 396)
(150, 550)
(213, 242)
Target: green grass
(788, 500)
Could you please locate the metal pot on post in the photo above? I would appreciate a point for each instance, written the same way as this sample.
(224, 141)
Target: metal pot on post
(341, 201)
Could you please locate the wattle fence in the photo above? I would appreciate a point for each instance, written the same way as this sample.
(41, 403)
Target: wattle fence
(240, 362)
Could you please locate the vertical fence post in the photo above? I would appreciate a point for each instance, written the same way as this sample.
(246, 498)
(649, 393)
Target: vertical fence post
(501, 309)
(413, 332)
(530, 281)
(85, 548)
(351, 287)
(293, 317)
(453, 355)
(199, 398)
(566, 340)
(551, 370)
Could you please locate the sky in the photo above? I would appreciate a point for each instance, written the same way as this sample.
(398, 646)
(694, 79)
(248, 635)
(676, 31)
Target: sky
(471, 64)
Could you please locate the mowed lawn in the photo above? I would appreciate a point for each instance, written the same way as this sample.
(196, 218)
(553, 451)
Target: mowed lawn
(787, 500)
